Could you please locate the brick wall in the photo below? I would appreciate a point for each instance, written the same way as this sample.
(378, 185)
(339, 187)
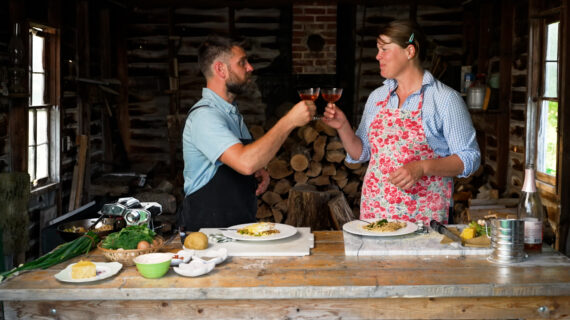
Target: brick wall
(314, 38)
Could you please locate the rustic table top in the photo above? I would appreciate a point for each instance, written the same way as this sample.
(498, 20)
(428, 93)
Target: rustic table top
(326, 273)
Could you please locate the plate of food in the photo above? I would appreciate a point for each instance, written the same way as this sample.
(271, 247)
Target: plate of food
(380, 227)
(261, 231)
(87, 271)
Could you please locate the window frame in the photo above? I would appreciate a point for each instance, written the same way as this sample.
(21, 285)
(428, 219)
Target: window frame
(548, 181)
(51, 101)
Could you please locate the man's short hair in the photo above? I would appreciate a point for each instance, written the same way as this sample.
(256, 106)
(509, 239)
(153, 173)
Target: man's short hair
(212, 49)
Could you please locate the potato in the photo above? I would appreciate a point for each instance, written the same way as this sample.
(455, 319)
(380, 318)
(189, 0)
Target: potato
(196, 240)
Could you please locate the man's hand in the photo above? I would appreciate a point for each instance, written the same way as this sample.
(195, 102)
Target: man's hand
(301, 113)
(407, 175)
(262, 177)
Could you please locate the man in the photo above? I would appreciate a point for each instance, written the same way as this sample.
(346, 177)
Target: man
(221, 163)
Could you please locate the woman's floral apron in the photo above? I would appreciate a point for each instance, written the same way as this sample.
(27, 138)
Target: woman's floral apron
(397, 137)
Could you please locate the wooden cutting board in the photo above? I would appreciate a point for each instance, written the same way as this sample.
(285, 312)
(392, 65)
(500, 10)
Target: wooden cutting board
(412, 244)
(299, 244)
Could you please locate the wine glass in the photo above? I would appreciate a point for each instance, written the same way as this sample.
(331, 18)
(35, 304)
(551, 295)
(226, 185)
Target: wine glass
(331, 95)
(310, 94)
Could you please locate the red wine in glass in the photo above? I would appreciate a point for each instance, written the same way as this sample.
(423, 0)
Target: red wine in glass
(309, 93)
(331, 95)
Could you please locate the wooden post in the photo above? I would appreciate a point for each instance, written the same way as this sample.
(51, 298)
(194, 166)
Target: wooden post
(308, 207)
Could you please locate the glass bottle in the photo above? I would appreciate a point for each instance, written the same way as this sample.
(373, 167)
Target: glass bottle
(531, 211)
(16, 56)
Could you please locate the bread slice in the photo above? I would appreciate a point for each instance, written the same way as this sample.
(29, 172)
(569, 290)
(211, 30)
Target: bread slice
(83, 269)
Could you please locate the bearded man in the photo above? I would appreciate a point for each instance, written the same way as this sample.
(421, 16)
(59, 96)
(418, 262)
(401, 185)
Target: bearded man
(223, 167)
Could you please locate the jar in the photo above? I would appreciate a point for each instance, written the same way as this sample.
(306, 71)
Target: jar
(475, 96)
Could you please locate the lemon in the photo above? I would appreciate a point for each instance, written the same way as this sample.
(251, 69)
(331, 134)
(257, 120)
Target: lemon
(196, 240)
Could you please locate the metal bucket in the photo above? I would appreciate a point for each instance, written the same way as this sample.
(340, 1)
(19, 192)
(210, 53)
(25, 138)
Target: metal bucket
(507, 241)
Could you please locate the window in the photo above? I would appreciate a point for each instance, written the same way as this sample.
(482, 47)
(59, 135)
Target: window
(547, 144)
(43, 113)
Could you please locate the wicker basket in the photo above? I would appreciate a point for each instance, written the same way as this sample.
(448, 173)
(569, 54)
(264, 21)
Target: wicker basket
(126, 256)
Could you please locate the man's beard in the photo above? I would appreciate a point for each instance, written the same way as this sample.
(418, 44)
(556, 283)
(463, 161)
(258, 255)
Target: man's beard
(237, 87)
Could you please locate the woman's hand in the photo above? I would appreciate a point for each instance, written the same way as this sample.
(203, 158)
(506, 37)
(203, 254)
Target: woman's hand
(262, 177)
(407, 175)
(334, 117)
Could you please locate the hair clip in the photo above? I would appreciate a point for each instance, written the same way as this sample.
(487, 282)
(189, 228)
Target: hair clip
(411, 40)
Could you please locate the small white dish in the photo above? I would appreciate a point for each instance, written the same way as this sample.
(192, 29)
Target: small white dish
(196, 267)
(181, 256)
(216, 255)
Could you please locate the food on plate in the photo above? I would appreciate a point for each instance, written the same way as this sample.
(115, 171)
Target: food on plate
(83, 269)
(80, 229)
(384, 226)
(128, 238)
(259, 229)
(196, 241)
(475, 229)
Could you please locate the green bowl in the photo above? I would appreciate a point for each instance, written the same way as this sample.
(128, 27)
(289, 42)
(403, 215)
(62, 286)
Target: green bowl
(153, 265)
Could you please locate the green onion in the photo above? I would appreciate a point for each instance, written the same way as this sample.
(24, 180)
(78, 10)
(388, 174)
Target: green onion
(66, 251)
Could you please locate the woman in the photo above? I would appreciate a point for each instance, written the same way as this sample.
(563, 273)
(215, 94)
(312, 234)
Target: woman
(415, 132)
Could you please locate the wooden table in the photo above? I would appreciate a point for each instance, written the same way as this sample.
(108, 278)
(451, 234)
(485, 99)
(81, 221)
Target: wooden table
(325, 285)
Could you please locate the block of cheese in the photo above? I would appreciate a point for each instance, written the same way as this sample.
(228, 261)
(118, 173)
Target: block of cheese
(83, 269)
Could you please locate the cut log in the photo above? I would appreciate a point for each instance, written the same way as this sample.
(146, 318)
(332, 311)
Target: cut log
(277, 215)
(341, 183)
(352, 166)
(282, 186)
(335, 156)
(320, 181)
(309, 208)
(322, 127)
(271, 197)
(278, 169)
(300, 159)
(300, 177)
(281, 206)
(341, 174)
(351, 188)
(340, 210)
(315, 169)
(263, 211)
(310, 135)
(329, 169)
(335, 144)
(360, 172)
(319, 148)
(256, 131)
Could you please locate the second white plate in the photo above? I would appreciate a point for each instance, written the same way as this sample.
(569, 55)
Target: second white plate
(355, 227)
(285, 231)
(104, 270)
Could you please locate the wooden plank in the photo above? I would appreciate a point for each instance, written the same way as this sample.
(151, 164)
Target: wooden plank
(76, 196)
(397, 308)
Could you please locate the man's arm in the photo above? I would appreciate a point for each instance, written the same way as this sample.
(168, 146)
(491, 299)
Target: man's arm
(247, 159)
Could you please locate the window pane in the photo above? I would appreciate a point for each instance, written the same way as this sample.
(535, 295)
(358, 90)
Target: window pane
(552, 41)
(551, 80)
(38, 87)
(37, 54)
(547, 145)
(32, 163)
(31, 125)
(42, 161)
(42, 126)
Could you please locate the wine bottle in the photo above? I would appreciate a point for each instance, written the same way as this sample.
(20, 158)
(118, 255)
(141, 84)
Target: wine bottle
(531, 211)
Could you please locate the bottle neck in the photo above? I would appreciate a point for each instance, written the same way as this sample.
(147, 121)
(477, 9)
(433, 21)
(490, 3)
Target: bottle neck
(529, 184)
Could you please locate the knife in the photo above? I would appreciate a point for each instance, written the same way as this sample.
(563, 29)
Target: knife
(440, 228)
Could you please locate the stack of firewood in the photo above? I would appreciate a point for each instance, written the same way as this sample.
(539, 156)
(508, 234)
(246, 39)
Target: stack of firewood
(312, 159)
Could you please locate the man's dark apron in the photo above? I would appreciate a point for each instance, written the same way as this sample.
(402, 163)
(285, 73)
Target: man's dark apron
(227, 199)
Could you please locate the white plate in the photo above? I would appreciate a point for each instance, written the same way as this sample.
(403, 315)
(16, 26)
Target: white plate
(355, 227)
(285, 231)
(104, 270)
(196, 267)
